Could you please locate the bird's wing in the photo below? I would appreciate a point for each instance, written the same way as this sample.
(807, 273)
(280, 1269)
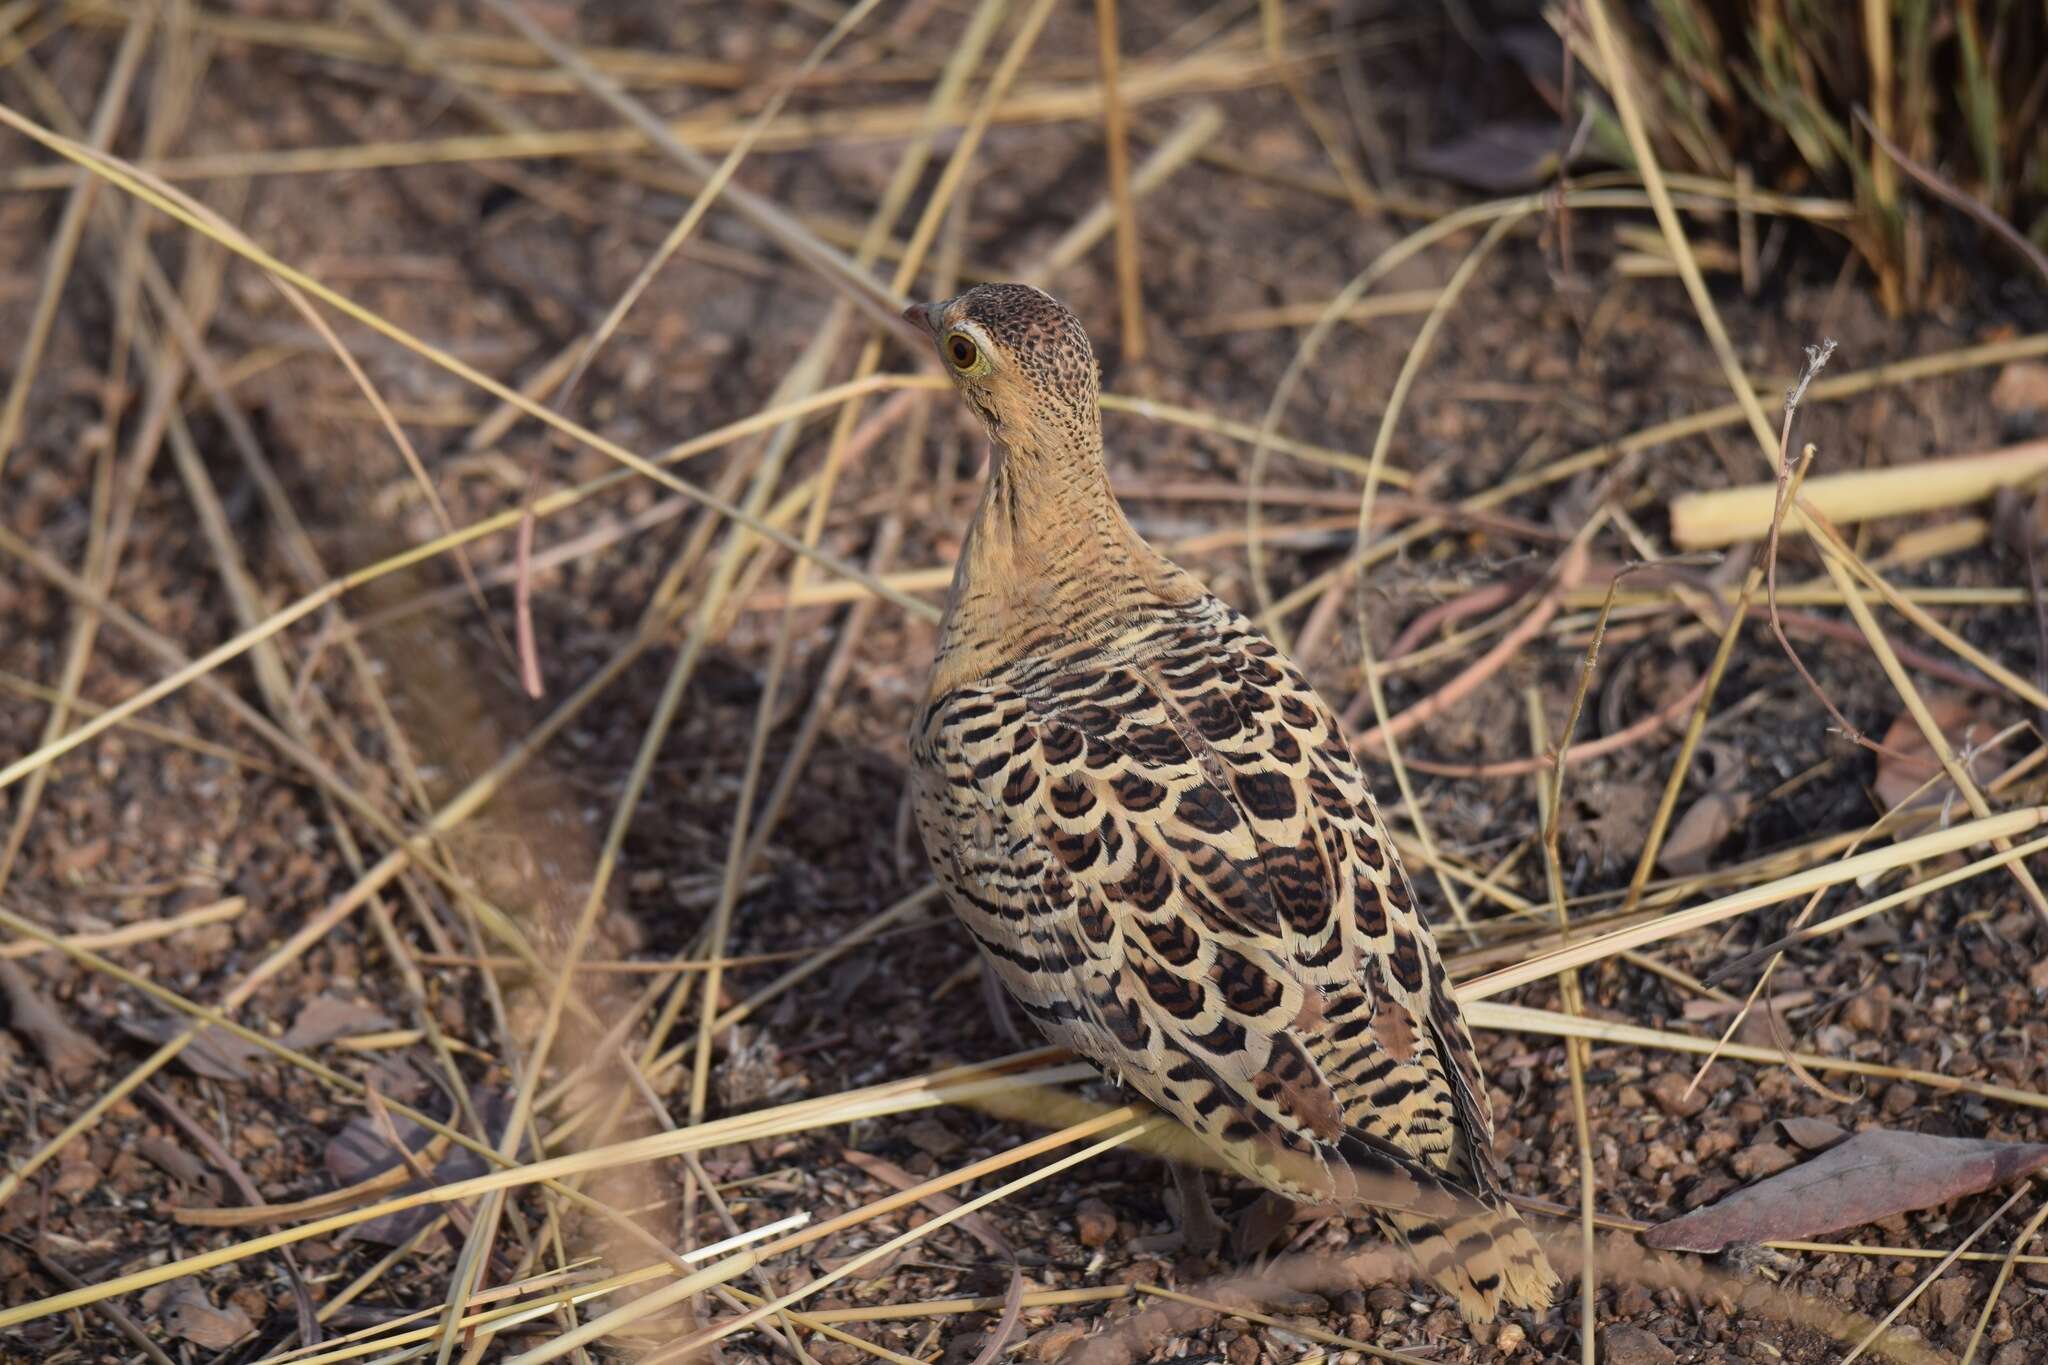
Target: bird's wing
(1171, 857)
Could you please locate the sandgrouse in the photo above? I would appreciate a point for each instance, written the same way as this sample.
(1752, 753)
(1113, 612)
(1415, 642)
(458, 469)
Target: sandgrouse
(1156, 831)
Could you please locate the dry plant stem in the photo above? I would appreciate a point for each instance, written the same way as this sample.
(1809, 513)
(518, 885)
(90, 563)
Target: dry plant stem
(335, 589)
(1043, 1298)
(122, 1323)
(113, 518)
(742, 848)
(1189, 136)
(1549, 794)
(70, 228)
(1898, 601)
(1299, 1329)
(1148, 83)
(1570, 569)
(1941, 188)
(733, 1266)
(1763, 978)
(1901, 854)
(1487, 1014)
(1398, 304)
(163, 734)
(323, 775)
(1833, 556)
(170, 203)
(711, 607)
(1621, 87)
(771, 219)
(892, 1097)
(1913, 1297)
(1411, 365)
(1850, 732)
(219, 1019)
(114, 497)
(128, 935)
(1712, 419)
(1667, 802)
(459, 809)
(1115, 135)
(718, 1331)
(1723, 516)
(701, 204)
(2019, 1245)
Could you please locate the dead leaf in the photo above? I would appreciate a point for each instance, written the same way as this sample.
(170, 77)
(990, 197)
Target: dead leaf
(1871, 1176)
(1006, 1325)
(1898, 778)
(493, 1108)
(189, 1314)
(215, 1054)
(71, 1055)
(1689, 848)
(1496, 158)
(327, 1017)
(181, 1165)
(1815, 1135)
(2021, 393)
(889, 1173)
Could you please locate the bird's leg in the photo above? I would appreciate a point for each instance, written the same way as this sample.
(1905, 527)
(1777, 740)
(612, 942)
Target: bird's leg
(998, 1002)
(1262, 1224)
(1196, 1228)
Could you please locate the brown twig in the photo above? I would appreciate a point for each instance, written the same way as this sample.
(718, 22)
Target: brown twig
(1942, 189)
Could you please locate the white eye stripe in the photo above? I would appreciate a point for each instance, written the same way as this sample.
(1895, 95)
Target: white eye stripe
(966, 349)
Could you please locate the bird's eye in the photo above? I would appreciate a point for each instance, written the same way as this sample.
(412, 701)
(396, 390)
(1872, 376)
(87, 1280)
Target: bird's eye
(962, 351)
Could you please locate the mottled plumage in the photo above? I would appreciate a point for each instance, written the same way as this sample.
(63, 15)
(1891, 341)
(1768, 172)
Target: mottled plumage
(1155, 830)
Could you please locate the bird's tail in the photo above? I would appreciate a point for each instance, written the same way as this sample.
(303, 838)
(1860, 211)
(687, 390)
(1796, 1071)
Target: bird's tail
(1481, 1256)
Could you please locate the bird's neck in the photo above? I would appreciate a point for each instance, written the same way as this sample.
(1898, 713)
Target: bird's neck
(1049, 562)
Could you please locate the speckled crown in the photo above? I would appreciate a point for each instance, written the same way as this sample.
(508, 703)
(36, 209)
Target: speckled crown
(1042, 335)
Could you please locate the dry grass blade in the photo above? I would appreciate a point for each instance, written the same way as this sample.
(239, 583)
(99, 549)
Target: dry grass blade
(1487, 1014)
(854, 283)
(1621, 86)
(1115, 136)
(1976, 208)
(2019, 1245)
(1902, 854)
(166, 200)
(70, 228)
(1930, 1277)
(968, 1086)
(143, 931)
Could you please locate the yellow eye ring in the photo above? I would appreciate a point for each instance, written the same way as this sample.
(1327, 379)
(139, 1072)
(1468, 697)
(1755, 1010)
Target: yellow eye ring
(961, 350)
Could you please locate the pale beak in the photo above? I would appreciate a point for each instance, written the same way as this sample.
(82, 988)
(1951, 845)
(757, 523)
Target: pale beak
(920, 316)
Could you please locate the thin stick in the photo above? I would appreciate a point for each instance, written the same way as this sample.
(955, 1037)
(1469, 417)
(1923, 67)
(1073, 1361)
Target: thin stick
(70, 228)
(1621, 86)
(1548, 805)
(128, 935)
(1902, 854)
(2019, 1244)
(1913, 1297)
(1130, 301)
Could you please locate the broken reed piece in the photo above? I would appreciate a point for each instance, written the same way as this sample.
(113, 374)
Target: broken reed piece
(1725, 516)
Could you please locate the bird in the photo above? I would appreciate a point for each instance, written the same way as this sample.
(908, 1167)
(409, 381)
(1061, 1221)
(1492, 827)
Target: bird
(1165, 849)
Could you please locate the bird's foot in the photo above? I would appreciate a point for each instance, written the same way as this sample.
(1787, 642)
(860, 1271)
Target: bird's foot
(1197, 1231)
(1261, 1225)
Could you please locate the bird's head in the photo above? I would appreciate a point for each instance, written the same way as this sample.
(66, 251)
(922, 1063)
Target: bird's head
(1023, 363)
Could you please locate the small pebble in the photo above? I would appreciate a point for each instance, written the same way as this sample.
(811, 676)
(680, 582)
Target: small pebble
(1622, 1344)
(1094, 1223)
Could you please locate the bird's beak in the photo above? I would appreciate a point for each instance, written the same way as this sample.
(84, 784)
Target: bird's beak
(920, 316)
